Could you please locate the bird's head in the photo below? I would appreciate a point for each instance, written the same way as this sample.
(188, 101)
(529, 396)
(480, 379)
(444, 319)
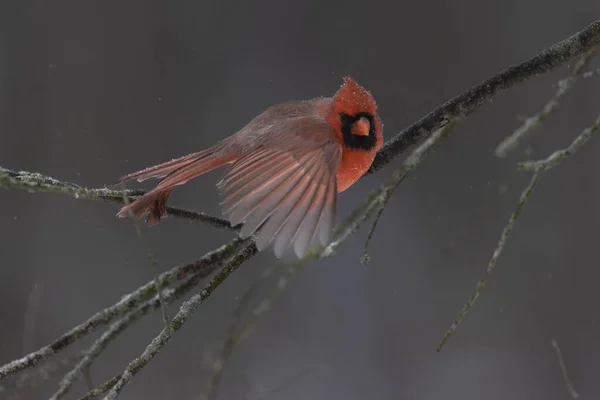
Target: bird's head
(354, 118)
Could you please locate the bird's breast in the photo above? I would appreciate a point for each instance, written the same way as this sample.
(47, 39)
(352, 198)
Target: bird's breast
(354, 165)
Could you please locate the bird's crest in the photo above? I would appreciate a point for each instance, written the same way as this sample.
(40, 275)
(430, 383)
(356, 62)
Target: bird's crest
(351, 99)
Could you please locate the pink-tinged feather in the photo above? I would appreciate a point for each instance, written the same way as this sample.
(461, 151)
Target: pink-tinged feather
(287, 166)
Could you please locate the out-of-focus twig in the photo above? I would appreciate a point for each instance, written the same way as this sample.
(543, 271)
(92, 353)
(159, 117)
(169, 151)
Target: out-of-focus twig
(456, 108)
(212, 384)
(207, 264)
(530, 124)
(35, 295)
(88, 356)
(494, 259)
(559, 156)
(153, 262)
(563, 369)
(185, 311)
(100, 390)
(375, 201)
(411, 162)
(538, 168)
(591, 73)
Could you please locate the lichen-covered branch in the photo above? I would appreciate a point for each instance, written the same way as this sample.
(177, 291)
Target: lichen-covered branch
(530, 124)
(538, 168)
(427, 127)
(374, 202)
(465, 103)
(100, 390)
(169, 295)
(35, 182)
(411, 162)
(185, 311)
(206, 265)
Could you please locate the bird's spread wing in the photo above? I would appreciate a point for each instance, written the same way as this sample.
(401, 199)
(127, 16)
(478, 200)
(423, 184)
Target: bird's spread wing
(284, 187)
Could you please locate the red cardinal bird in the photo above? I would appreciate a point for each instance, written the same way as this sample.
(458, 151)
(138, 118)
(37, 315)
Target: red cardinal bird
(287, 166)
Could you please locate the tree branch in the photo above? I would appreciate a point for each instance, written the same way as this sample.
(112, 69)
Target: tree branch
(532, 123)
(169, 295)
(465, 103)
(185, 311)
(206, 264)
(563, 369)
(453, 110)
(538, 168)
(35, 182)
(374, 202)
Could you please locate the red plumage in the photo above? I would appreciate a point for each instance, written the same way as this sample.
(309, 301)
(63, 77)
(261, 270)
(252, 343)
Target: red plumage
(287, 166)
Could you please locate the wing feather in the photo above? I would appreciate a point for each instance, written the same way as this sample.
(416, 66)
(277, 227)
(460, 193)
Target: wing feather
(311, 221)
(289, 232)
(284, 189)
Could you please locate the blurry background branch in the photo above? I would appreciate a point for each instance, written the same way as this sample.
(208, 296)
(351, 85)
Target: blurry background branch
(538, 168)
(433, 127)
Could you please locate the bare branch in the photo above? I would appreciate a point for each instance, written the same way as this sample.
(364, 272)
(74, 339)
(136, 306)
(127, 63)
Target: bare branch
(539, 167)
(35, 182)
(206, 264)
(411, 163)
(559, 156)
(451, 111)
(105, 387)
(590, 73)
(465, 103)
(563, 368)
(375, 201)
(169, 295)
(532, 123)
(185, 311)
(525, 195)
(153, 263)
(35, 295)
(212, 384)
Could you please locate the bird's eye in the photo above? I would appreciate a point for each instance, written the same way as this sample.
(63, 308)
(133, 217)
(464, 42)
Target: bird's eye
(344, 117)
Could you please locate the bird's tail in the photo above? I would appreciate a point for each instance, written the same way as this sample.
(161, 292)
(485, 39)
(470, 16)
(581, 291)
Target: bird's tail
(174, 172)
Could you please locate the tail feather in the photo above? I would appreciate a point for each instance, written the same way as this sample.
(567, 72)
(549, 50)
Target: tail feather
(175, 172)
(161, 170)
(155, 204)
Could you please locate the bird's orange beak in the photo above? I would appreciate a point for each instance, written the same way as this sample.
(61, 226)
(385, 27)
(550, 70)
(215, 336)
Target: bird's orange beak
(361, 127)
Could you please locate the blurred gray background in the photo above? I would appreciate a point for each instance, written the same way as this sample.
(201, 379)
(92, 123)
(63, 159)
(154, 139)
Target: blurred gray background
(91, 90)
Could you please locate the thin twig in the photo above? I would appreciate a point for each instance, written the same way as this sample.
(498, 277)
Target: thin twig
(32, 377)
(123, 323)
(349, 226)
(411, 162)
(560, 155)
(185, 311)
(530, 124)
(100, 390)
(591, 73)
(35, 182)
(131, 301)
(153, 262)
(457, 107)
(494, 259)
(218, 366)
(465, 103)
(35, 295)
(538, 168)
(563, 368)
